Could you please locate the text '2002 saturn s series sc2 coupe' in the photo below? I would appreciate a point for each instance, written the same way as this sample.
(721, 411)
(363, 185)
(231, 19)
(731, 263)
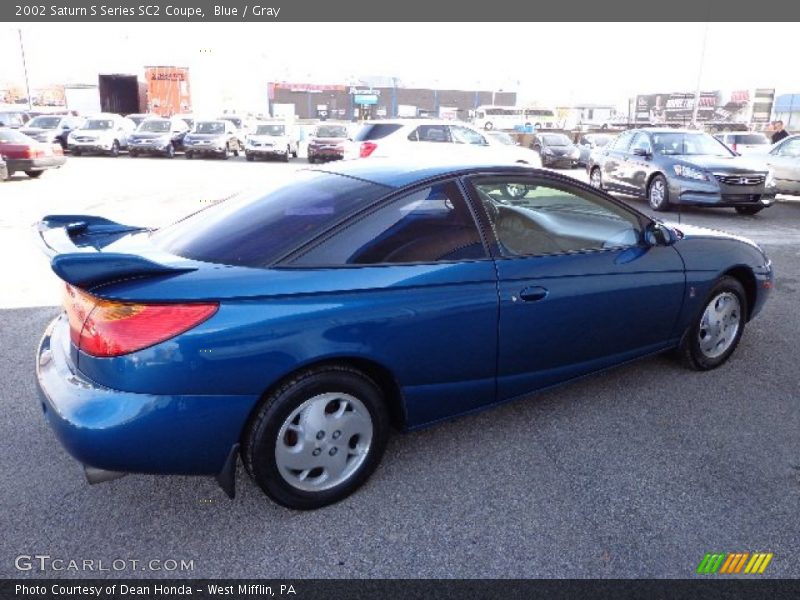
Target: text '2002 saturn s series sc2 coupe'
(293, 327)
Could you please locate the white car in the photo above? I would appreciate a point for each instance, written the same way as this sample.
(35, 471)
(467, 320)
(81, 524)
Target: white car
(271, 140)
(102, 133)
(745, 142)
(415, 137)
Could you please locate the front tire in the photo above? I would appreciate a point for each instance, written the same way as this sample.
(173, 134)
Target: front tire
(658, 194)
(34, 174)
(596, 178)
(749, 210)
(114, 149)
(488, 126)
(718, 327)
(318, 437)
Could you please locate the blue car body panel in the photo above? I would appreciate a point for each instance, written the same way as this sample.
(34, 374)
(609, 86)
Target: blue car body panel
(454, 336)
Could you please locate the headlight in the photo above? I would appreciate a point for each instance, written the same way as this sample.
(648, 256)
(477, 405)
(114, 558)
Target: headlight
(546, 150)
(770, 181)
(690, 172)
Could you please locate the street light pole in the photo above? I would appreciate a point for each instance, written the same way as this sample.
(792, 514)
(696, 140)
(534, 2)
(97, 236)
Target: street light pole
(699, 78)
(25, 69)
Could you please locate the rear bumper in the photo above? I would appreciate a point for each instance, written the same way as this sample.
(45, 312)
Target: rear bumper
(125, 432)
(35, 164)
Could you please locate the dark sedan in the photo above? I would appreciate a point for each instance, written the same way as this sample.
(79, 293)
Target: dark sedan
(292, 326)
(674, 166)
(26, 154)
(327, 143)
(52, 129)
(556, 150)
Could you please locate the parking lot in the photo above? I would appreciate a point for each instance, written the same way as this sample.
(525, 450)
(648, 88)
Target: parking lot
(637, 472)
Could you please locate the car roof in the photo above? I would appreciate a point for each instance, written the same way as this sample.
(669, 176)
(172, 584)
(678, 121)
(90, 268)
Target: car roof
(738, 132)
(666, 130)
(396, 173)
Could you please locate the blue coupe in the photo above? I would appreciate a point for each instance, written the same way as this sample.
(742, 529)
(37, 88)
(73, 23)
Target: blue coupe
(295, 326)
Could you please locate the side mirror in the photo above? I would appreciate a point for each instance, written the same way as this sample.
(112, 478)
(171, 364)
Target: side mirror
(658, 234)
(640, 152)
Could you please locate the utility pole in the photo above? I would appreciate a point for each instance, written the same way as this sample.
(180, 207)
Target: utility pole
(25, 69)
(699, 77)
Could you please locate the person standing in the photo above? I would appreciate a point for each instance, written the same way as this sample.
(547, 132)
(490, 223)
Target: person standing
(780, 132)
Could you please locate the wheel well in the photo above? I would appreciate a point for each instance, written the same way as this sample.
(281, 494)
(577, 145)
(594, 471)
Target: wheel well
(650, 180)
(382, 377)
(745, 276)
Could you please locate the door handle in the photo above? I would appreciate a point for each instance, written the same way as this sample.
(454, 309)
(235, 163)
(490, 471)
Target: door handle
(532, 294)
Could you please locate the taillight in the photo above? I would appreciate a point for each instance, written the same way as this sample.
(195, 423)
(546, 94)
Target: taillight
(367, 148)
(734, 146)
(108, 328)
(58, 150)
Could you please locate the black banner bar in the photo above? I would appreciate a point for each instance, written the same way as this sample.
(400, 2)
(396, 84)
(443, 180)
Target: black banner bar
(394, 589)
(19, 11)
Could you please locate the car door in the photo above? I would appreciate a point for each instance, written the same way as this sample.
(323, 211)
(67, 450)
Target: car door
(614, 162)
(784, 159)
(638, 164)
(430, 314)
(579, 289)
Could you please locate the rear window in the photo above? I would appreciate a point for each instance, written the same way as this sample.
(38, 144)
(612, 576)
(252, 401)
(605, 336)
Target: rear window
(11, 136)
(375, 131)
(257, 229)
(750, 138)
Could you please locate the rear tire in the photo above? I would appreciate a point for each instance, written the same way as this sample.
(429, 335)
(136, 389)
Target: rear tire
(749, 210)
(321, 413)
(717, 329)
(658, 194)
(189, 155)
(596, 178)
(34, 174)
(249, 157)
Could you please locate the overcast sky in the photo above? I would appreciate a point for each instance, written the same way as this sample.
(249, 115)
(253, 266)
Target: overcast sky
(553, 63)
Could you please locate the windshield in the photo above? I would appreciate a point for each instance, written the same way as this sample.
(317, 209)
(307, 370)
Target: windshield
(503, 138)
(751, 138)
(270, 130)
(157, 126)
(331, 131)
(688, 144)
(257, 229)
(44, 122)
(556, 139)
(98, 124)
(210, 127)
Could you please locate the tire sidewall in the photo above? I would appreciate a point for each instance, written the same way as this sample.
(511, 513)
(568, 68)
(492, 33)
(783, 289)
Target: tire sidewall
(665, 201)
(262, 439)
(691, 344)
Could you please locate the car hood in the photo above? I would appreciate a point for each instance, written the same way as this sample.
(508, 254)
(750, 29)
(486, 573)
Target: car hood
(732, 164)
(205, 136)
(690, 232)
(36, 131)
(268, 138)
(97, 133)
(148, 135)
(326, 140)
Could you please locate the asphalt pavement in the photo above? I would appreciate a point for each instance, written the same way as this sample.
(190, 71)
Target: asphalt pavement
(637, 472)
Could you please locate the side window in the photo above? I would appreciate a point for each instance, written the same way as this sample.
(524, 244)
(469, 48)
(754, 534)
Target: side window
(623, 141)
(531, 219)
(789, 148)
(641, 142)
(429, 225)
(464, 135)
(430, 133)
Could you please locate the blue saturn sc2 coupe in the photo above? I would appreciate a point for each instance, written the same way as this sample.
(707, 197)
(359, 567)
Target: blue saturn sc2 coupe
(295, 326)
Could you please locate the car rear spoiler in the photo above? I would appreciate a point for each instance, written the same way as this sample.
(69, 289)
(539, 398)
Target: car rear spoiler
(82, 263)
